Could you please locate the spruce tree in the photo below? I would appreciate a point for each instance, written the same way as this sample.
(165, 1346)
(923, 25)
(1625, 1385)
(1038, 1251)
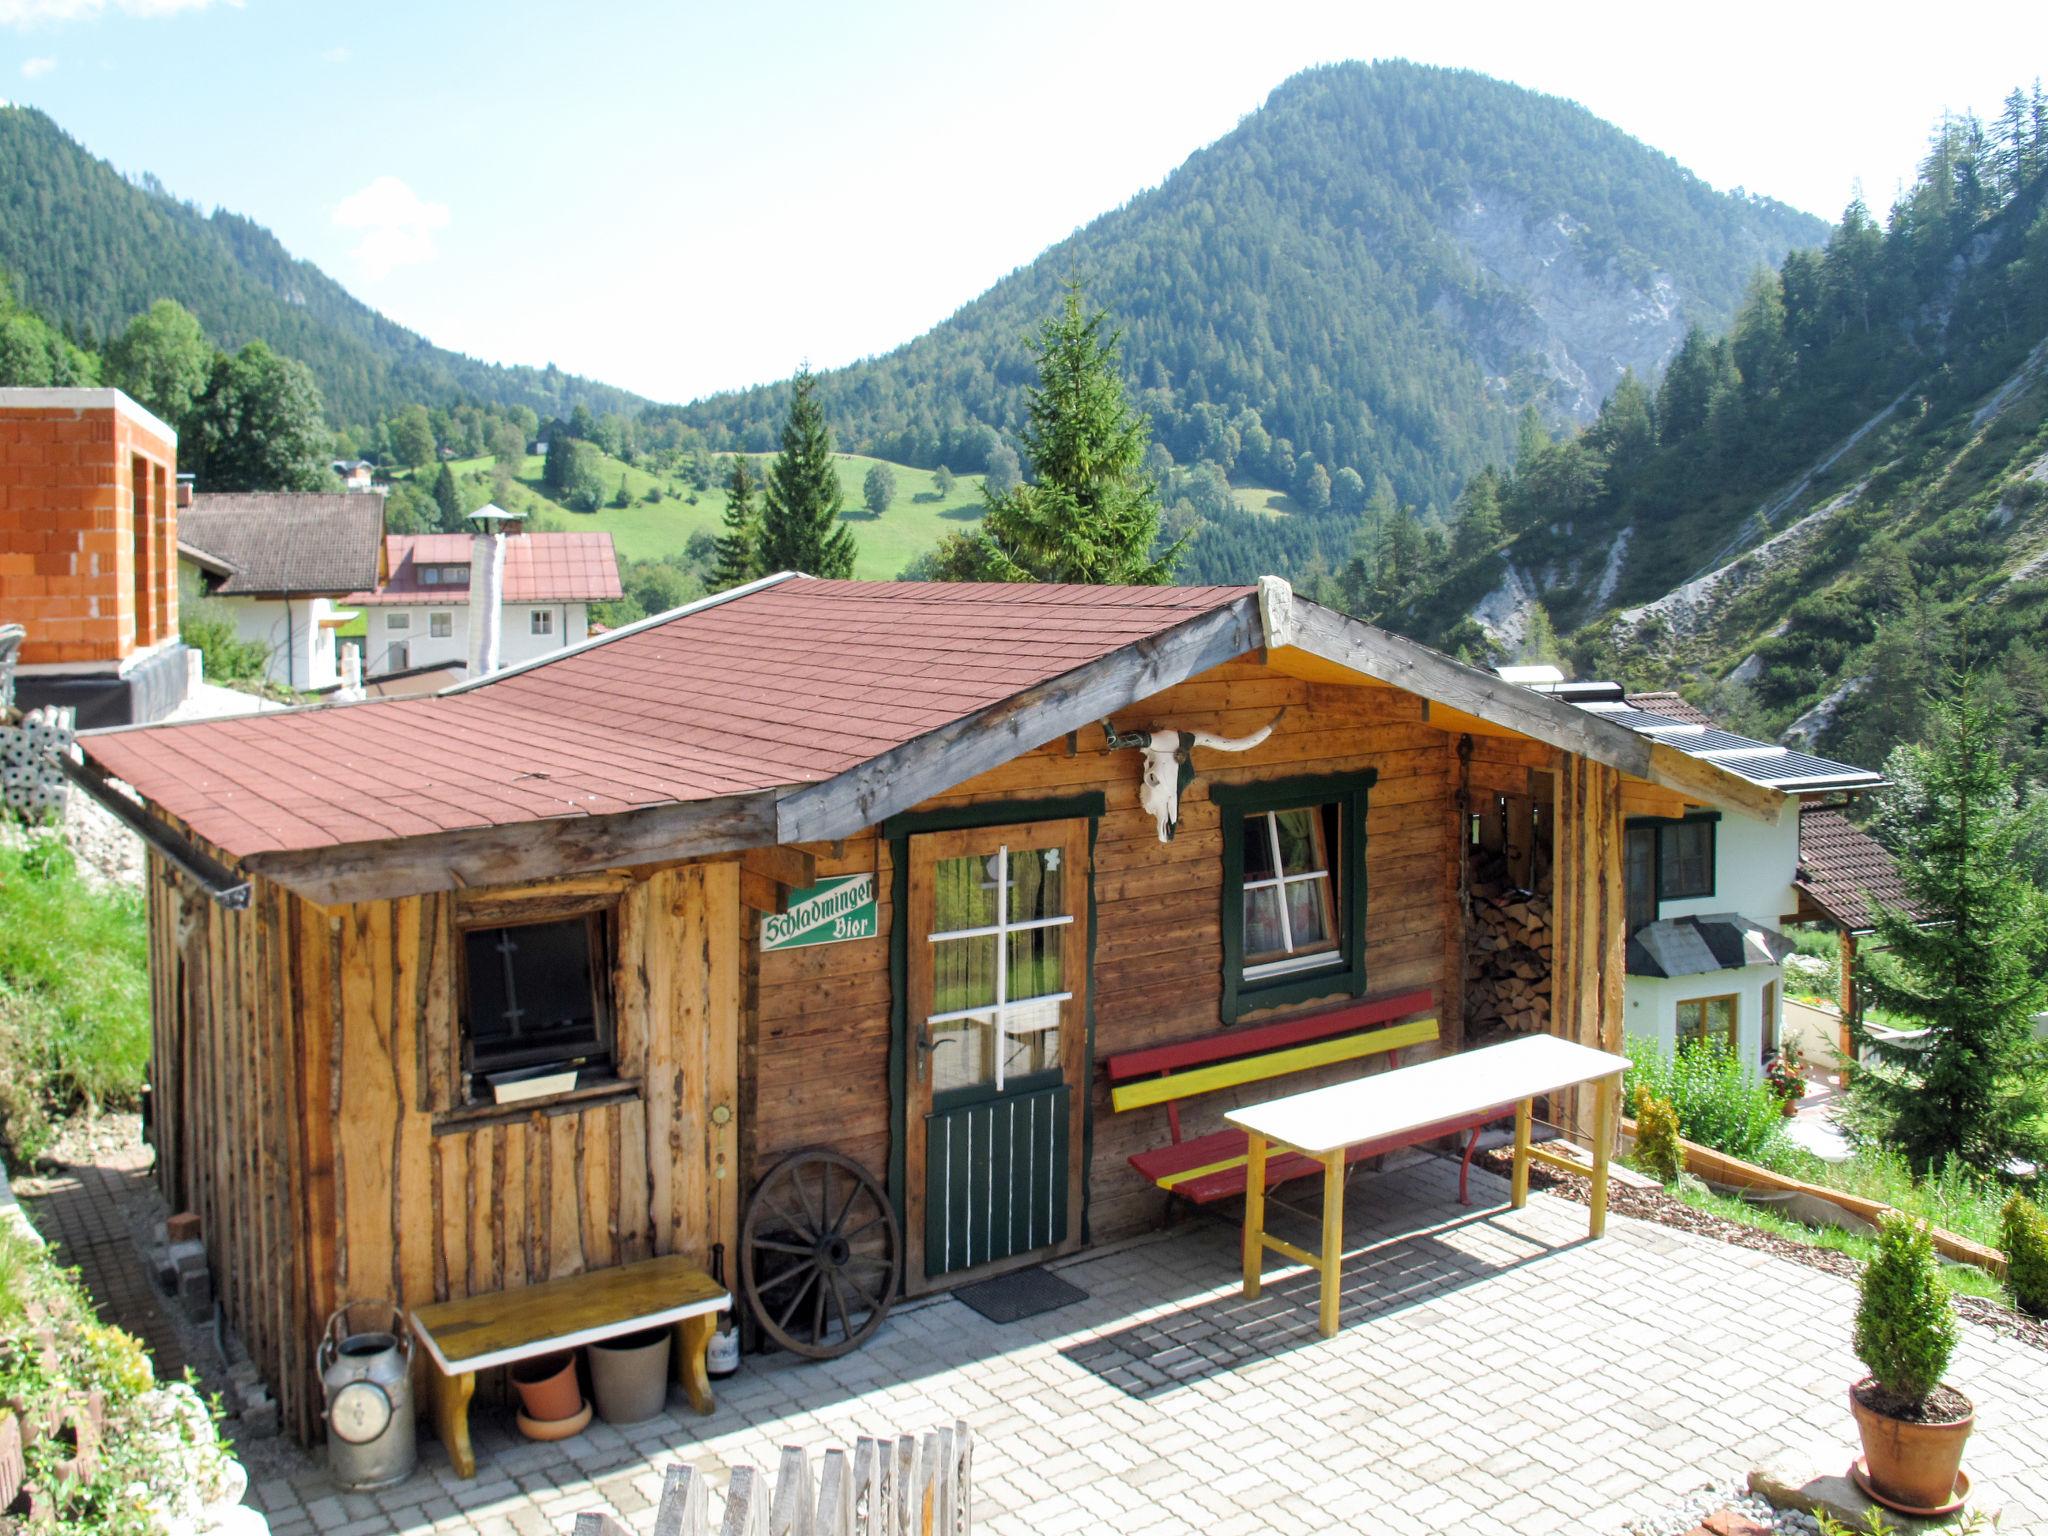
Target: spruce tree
(448, 501)
(800, 526)
(1092, 514)
(739, 546)
(1966, 964)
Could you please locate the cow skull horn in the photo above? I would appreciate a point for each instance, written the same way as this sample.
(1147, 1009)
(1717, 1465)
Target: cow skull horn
(1168, 769)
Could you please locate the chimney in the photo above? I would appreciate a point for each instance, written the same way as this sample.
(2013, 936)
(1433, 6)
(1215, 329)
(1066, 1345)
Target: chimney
(487, 588)
(184, 491)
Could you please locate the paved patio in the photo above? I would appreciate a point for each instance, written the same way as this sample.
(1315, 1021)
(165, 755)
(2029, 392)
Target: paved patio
(1495, 1374)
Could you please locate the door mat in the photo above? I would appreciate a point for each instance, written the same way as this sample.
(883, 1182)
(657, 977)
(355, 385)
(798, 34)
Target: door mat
(1020, 1294)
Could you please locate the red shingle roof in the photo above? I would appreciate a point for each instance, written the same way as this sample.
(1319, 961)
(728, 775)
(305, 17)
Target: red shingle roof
(539, 568)
(1842, 868)
(1672, 706)
(791, 684)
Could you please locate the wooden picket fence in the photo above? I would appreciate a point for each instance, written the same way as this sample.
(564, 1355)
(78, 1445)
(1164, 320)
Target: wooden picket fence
(910, 1485)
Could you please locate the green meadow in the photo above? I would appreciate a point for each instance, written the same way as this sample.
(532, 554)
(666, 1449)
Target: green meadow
(647, 530)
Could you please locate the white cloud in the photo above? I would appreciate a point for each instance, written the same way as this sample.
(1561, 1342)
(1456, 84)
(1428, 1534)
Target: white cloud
(396, 223)
(32, 69)
(340, 55)
(27, 13)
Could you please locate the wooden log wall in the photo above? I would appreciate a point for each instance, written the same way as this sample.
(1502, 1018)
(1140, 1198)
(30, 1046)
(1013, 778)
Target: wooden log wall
(818, 1065)
(1590, 918)
(307, 1086)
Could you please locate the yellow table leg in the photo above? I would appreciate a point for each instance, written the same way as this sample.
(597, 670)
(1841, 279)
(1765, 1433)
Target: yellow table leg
(1604, 1094)
(693, 1341)
(1519, 1184)
(1254, 1212)
(451, 1419)
(1333, 1242)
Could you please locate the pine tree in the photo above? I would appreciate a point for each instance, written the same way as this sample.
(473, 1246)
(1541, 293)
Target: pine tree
(800, 526)
(1092, 514)
(1478, 530)
(448, 500)
(1967, 962)
(739, 546)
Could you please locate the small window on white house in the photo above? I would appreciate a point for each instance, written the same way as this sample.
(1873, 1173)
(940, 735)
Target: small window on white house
(430, 575)
(543, 621)
(440, 625)
(398, 620)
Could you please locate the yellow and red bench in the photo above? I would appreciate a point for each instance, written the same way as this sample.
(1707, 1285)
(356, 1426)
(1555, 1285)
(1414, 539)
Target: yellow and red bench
(1209, 1168)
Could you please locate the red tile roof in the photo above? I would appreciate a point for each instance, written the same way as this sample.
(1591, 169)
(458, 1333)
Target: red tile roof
(1672, 706)
(791, 684)
(539, 568)
(1842, 869)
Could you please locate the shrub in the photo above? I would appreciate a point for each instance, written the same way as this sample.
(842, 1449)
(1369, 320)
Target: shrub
(1719, 1104)
(2024, 1237)
(1657, 1151)
(1905, 1328)
(208, 628)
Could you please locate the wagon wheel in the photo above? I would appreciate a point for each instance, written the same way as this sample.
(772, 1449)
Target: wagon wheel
(819, 1253)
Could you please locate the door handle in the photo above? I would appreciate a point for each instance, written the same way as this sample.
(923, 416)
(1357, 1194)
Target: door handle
(926, 1046)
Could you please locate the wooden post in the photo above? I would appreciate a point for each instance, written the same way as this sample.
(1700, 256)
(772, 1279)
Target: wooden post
(1254, 1212)
(1847, 1000)
(1605, 1093)
(1519, 1182)
(1333, 1241)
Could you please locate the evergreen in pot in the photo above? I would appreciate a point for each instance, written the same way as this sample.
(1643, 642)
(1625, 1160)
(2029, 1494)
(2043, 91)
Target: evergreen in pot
(1913, 1426)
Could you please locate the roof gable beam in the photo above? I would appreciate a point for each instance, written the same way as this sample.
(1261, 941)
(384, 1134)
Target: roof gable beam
(936, 761)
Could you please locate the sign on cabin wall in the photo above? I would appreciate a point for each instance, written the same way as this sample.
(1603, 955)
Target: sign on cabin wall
(826, 913)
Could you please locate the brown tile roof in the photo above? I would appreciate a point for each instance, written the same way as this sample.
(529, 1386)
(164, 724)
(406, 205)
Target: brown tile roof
(1672, 706)
(1842, 868)
(278, 542)
(539, 568)
(787, 685)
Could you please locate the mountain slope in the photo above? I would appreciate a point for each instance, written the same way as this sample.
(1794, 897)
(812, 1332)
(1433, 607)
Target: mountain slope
(89, 250)
(1385, 262)
(1821, 515)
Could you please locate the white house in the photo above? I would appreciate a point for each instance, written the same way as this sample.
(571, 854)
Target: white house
(429, 610)
(1706, 890)
(279, 563)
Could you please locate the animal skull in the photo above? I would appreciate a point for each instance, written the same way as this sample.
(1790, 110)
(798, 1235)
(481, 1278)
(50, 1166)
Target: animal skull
(1168, 769)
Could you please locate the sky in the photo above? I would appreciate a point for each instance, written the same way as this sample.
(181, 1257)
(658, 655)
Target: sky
(680, 198)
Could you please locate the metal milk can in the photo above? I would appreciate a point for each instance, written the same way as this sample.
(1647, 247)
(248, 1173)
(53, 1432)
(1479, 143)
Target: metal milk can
(367, 1379)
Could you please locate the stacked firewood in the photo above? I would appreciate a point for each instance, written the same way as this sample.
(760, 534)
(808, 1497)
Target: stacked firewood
(1508, 942)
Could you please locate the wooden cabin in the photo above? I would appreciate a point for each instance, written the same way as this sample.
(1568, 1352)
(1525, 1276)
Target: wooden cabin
(816, 864)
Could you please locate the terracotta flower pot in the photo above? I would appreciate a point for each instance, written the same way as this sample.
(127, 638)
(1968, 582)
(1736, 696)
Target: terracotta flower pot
(547, 1387)
(1913, 1466)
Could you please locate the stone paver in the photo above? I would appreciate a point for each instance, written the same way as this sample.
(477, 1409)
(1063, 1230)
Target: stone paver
(1495, 1373)
(85, 1212)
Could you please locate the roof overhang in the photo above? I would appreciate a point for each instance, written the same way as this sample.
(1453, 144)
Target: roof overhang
(213, 565)
(1272, 621)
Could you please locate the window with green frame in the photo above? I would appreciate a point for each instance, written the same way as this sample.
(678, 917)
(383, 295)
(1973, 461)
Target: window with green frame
(1293, 890)
(1667, 860)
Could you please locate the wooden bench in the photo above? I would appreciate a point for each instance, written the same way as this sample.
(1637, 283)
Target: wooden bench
(503, 1327)
(1212, 1167)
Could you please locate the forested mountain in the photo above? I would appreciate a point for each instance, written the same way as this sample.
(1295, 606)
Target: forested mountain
(1817, 514)
(1374, 272)
(89, 250)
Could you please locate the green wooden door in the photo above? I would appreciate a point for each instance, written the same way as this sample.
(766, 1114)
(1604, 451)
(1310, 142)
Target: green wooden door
(997, 950)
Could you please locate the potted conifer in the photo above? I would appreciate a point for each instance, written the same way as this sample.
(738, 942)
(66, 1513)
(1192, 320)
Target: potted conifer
(1913, 1426)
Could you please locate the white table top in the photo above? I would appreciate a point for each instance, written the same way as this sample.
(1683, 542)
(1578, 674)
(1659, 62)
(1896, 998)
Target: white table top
(1408, 1098)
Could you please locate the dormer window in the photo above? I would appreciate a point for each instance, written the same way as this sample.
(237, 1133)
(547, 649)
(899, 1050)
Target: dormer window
(444, 575)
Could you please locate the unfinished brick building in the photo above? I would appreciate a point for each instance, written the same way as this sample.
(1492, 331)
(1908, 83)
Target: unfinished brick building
(89, 553)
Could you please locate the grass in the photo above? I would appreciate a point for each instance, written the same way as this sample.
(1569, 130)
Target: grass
(648, 530)
(74, 993)
(1963, 1279)
(1720, 1106)
(1263, 501)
